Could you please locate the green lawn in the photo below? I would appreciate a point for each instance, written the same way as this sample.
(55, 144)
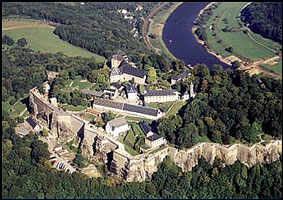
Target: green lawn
(165, 105)
(81, 85)
(130, 137)
(17, 109)
(243, 46)
(176, 107)
(43, 39)
(130, 118)
(277, 68)
(137, 130)
(74, 108)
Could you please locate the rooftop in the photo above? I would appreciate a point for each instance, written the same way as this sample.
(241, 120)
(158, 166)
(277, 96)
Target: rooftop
(130, 88)
(154, 137)
(31, 122)
(121, 121)
(145, 128)
(125, 68)
(160, 93)
(116, 85)
(140, 109)
(109, 90)
(180, 76)
(92, 92)
(126, 107)
(107, 103)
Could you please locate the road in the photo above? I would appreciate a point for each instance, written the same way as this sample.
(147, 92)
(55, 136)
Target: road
(51, 144)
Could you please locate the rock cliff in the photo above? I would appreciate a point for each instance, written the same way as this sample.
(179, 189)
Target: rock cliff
(142, 167)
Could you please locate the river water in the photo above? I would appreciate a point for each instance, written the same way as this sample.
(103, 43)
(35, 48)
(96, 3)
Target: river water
(179, 39)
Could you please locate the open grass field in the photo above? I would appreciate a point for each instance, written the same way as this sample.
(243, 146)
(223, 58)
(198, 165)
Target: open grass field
(130, 118)
(176, 107)
(16, 109)
(276, 68)
(81, 85)
(156, 26)
(227, 14)
(165, 105)
(40, 37)
(74, 108)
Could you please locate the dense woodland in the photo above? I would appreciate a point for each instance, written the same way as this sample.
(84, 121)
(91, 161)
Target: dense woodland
(229, 107)
(265, 19)
(95, 26)
(27, 173)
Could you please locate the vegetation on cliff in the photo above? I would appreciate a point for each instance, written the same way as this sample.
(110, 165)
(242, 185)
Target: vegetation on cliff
(27, 173)
(230, 106)
(265, 19)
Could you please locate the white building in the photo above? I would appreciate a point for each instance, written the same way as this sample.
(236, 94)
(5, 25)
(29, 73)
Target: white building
(161, 96)
(131, 91)
(192, 93)
(117, 126)
(111, 93)
(154, 141)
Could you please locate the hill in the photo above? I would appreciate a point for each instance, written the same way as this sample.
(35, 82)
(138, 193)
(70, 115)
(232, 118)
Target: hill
(265, 19)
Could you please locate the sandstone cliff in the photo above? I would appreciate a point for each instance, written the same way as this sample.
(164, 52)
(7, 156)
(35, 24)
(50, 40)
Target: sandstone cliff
(143, 166)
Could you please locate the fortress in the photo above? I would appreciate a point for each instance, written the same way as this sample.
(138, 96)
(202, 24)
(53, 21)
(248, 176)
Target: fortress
(98, 146)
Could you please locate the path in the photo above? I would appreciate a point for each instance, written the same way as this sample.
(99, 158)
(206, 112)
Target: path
(23, 112)
(259, 42)
(255, 67)
(28, 26)
(146, 21)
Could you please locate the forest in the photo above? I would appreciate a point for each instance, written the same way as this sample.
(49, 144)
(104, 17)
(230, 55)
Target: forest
(95, 26)
(27, 173)
(229, 107)
(265, 19)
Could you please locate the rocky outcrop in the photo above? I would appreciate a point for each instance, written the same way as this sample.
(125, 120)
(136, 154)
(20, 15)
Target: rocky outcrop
(63, 125)
(142, 167)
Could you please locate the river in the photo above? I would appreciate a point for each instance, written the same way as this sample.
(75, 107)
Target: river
(179, 39)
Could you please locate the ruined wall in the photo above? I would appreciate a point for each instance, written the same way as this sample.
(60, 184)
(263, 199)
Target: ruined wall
(142, 167)
(64, 126)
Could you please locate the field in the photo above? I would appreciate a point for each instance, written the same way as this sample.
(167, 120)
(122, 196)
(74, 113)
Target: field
(164, 106)
(156, 26)
(276, 68)
(40, 37)
(81, 84)
(175, 108)
(244, 46)
(17, 109)
(74, 108)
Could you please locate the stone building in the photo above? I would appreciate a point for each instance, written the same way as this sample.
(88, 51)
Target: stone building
(161, 96)
(117, 126)
(154, 141)
(126, 72)
(131, 92)
(118, 58)
(179, 77)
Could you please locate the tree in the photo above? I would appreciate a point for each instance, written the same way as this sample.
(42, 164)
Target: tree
(151, 77)
(253, 132)
(44, 132)
(7, 40)
(22, 42)
(229, 49)
(236, 64)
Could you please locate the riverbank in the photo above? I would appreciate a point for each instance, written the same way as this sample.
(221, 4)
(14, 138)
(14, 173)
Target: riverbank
(224, 30)
(201, 42)
(155, 28)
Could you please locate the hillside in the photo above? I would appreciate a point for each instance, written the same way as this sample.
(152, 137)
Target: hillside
(265, 19)
(98, 27)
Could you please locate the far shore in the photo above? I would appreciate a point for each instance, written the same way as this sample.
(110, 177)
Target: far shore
(221, 58)
(159, 32)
